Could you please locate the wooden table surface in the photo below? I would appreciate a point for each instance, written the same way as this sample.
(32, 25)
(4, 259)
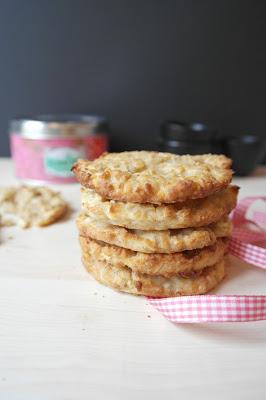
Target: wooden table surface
(64, 336)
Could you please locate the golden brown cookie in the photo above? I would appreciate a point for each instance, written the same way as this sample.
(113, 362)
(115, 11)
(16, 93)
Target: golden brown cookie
(167, 265)
(167, 241)
(152, 177)
(30, 206)
(125, 280)
(193, 213)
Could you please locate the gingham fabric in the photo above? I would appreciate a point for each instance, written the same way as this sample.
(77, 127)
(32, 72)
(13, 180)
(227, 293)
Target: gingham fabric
(212, 308)
(247, 234)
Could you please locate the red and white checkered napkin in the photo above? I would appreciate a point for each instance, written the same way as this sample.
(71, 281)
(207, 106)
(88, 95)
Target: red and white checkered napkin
(248, 232)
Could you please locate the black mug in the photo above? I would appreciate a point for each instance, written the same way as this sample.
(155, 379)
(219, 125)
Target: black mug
(187, 138)
(246, 151)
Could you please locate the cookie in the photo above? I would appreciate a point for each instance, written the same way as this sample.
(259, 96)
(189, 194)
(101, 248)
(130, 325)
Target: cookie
(167, 241)
(152, 177)
(167, 265)
(28, 206)
(193, 213)
(125, 280)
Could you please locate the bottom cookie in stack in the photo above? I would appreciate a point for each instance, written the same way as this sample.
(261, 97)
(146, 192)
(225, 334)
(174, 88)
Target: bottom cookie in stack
(125, 280)
(168, 273)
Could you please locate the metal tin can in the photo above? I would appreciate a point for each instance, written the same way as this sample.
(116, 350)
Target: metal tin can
(45, 147)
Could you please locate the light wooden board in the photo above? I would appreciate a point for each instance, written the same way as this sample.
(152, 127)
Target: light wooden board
(63, 336)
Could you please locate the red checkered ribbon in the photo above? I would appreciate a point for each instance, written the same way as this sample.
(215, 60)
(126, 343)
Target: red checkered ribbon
(248, 234)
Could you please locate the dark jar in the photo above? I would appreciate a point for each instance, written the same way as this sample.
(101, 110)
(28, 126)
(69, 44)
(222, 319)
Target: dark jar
(192, 138)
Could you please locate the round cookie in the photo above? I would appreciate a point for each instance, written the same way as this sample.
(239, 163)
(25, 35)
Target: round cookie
(167, 265)
(167, 241)
(125, 280)
(193, 213)
(152, 177)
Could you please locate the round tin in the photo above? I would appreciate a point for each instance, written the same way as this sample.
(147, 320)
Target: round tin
(45, 147)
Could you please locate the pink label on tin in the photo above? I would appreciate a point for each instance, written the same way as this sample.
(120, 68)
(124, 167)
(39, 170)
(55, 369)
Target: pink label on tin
(51, 159)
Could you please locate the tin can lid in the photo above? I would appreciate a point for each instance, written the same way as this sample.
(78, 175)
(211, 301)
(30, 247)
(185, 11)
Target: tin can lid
(64, 125)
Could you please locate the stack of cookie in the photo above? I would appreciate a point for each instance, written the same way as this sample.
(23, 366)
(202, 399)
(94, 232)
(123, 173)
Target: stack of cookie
(156, 224)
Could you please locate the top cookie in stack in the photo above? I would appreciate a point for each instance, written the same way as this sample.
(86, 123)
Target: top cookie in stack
(156, 223)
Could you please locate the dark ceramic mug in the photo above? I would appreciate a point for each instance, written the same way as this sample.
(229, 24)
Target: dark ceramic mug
(246, 151)
(187, 138)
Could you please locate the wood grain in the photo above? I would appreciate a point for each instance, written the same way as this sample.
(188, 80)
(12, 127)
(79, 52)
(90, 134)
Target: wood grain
(63, 336)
